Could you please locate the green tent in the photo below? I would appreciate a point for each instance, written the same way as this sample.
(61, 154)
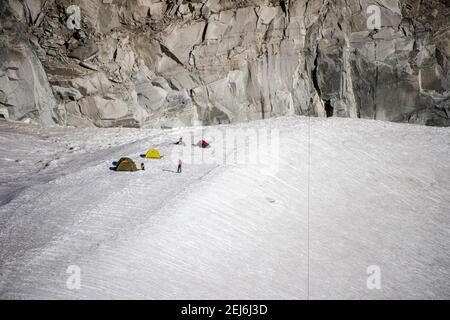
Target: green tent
(126, 164)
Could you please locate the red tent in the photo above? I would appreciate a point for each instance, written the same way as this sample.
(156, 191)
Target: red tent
(203, 144)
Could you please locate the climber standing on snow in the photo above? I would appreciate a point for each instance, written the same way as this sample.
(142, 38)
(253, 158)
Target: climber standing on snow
(180, 141)
(180, 163)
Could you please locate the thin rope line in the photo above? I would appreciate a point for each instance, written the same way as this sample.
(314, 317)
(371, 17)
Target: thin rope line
(309, 182)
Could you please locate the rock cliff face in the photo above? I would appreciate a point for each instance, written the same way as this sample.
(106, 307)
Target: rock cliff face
(177, 62)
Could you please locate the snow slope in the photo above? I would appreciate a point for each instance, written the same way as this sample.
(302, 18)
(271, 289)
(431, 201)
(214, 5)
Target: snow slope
(344, 195)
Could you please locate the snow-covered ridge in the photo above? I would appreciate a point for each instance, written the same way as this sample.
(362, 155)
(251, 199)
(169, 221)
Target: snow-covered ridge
(348, 194)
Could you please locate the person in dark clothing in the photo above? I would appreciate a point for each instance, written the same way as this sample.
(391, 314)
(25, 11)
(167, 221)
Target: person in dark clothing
(180, 141)
(142, 166)
(180, 163)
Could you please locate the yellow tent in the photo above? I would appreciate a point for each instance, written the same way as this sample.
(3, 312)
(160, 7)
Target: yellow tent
(153, 154)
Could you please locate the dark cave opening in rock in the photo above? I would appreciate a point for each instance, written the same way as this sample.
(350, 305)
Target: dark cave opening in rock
(283, 6)
(329, 108)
